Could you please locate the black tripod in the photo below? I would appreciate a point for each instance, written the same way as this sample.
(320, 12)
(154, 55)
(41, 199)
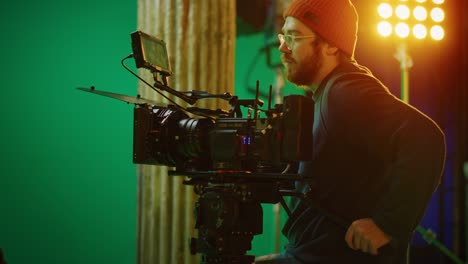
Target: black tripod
(228, 213)
(226, 226)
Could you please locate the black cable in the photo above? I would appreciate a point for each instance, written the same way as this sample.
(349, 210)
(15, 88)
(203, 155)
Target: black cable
(144, 81)
(156, 90)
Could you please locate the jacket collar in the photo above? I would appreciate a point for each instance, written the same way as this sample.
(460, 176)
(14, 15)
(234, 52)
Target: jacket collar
(339, 69)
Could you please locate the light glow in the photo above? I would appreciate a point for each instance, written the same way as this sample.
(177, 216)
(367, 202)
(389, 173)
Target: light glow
(419, 31)
(402, 12)
(384, 28)
(437, 14)
(420, 13)
(385, 10)
(437, 32)
(402, 30)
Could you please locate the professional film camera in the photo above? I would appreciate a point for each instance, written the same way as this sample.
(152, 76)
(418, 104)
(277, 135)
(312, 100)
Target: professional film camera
(235, 163)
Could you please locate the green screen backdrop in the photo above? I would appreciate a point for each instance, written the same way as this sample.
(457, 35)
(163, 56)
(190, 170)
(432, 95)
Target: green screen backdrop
(68, 185)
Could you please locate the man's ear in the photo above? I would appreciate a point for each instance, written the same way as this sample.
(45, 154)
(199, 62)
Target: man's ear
(330, 49)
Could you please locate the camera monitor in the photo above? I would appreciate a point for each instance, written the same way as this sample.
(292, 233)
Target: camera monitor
(150, 53)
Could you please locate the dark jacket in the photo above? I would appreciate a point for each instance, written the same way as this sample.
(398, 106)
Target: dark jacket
(373, 156)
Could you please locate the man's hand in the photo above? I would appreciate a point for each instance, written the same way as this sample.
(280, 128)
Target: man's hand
(365, 235)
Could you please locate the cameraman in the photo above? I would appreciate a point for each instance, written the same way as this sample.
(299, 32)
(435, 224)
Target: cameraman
(375, 160)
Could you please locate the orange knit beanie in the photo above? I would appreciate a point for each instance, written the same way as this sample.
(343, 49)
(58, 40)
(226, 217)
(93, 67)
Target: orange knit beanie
(334, 20)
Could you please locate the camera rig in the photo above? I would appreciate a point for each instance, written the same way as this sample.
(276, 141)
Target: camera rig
(234, 163)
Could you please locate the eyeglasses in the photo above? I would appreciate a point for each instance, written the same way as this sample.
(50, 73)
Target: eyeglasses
(290, 39)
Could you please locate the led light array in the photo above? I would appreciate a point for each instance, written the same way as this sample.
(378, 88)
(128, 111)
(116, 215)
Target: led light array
(417, 17)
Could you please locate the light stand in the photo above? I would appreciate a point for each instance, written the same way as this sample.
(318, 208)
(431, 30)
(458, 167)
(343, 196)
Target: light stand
(406, 62)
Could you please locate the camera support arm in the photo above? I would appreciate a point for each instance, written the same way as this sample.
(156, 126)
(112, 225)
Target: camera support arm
(164, 87)
(194, 95)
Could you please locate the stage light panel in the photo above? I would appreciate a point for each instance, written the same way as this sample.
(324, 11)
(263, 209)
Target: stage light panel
(421, 18)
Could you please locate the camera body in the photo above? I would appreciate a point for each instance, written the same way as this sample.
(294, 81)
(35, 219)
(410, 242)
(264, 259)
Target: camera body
(168, 136)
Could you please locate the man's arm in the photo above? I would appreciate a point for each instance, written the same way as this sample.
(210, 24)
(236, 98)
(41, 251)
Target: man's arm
(413, 147)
